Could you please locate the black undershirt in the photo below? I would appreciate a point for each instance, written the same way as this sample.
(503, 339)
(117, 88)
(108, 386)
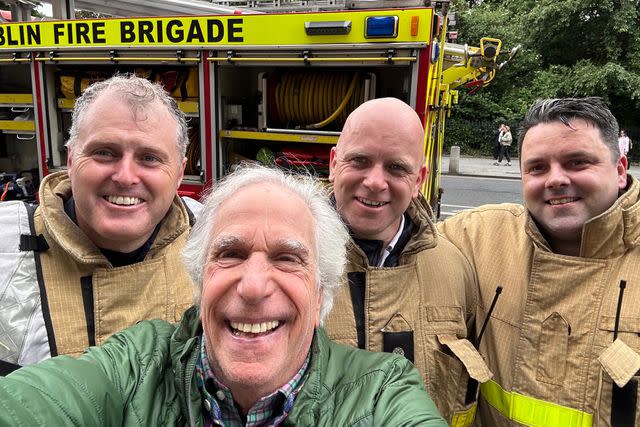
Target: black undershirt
(117, 259)
(373, 248)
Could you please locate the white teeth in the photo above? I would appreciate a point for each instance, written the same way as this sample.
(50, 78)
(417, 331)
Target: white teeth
(124, 200)
(255, 328)
(371, 202)
(562, 200)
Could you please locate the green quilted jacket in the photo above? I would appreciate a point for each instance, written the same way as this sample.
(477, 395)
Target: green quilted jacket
(144, 376)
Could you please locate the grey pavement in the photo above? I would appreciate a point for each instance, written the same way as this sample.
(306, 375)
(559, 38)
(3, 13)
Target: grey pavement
(484, 167)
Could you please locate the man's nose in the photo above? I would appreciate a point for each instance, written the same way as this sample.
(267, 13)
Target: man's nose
(376, 179)
(256, 283)
(126, 173)
(557, 177)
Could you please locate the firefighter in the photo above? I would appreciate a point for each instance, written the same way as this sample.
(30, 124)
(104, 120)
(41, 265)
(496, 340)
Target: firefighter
(563, 337)
(102, 250)
(407, 290)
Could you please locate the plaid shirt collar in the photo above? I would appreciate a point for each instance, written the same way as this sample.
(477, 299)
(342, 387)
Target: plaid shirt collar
(219, 408)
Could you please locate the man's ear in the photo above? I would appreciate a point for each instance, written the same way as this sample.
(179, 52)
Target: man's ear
(332, 163)
(422, 175)
(69, 161)
(182, 166)
(621, 169)
(318, 307)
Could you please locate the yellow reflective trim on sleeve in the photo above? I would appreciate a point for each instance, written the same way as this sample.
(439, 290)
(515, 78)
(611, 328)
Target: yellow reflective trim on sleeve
(531, 411)
(464, 418)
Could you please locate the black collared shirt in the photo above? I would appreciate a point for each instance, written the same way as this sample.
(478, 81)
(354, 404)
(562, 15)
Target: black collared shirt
(373, 248)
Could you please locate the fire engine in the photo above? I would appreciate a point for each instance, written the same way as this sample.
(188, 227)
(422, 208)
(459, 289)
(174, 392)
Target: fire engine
(274, 87)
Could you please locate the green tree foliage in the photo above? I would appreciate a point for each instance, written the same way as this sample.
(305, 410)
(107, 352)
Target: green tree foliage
(570, 48)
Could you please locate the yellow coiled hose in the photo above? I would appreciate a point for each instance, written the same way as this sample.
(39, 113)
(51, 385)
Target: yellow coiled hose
(315, 99)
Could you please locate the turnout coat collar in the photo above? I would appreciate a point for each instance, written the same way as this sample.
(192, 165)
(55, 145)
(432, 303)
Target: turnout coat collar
(56, 188)
(425, 235)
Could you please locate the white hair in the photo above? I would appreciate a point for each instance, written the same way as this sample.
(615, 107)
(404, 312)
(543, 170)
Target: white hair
(330, 232)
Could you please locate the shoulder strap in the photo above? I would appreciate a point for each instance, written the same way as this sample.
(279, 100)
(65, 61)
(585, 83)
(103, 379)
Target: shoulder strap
(192, 217)
(31, 242)
(41, 245)
(6, 368)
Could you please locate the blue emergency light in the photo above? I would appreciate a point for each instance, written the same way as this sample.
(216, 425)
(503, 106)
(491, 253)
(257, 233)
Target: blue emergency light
(381, 26)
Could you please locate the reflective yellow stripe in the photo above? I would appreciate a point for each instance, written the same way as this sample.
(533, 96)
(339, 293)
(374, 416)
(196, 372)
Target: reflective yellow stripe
(531, 411)
(464, 418)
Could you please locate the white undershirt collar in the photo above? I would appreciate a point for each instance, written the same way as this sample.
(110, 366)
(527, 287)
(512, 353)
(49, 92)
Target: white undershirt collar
(387, 251)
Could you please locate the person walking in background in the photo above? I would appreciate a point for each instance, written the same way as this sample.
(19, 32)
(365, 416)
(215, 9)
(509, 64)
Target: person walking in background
(498, 145)
(496, 142)
(505, 140)
(624, 143)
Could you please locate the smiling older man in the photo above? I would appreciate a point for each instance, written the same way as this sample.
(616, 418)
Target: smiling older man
(267, 253)
(101, 251)
(563, 337)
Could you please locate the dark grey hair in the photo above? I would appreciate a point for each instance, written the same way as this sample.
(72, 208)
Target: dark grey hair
(592, 110)
(330, 232)
(138, 93)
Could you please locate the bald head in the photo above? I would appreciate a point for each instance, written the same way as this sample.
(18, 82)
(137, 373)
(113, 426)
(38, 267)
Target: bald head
(391, 118)
(377, 167)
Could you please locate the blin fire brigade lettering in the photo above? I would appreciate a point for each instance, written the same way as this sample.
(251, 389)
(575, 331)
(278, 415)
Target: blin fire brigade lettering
(124, 32)
(20, 35)
(177, 31)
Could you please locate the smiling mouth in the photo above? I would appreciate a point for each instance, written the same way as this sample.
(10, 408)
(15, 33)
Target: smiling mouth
(562, 201)
(123, 200)
(253, 329)
(371, 203)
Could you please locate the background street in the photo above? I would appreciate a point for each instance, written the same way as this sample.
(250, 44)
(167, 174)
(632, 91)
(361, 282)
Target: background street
(464, 192)
(479, 182)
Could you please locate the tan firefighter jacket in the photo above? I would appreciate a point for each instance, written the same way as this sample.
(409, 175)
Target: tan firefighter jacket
(68, 296)
(550, 339)
(422, 308)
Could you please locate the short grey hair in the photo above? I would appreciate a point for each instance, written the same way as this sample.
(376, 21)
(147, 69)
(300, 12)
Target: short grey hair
(330, 232)
(139, 93)
(592, 110)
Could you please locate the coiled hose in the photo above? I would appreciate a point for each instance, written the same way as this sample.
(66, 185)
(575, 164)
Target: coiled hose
(315, 99)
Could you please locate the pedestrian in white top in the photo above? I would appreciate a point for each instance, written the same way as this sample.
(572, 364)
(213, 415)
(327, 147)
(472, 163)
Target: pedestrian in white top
(624, 143)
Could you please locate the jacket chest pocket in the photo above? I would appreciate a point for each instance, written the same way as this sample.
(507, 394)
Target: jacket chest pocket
(620, 375)
(455, 368)
(552, 356)
(397, 338)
